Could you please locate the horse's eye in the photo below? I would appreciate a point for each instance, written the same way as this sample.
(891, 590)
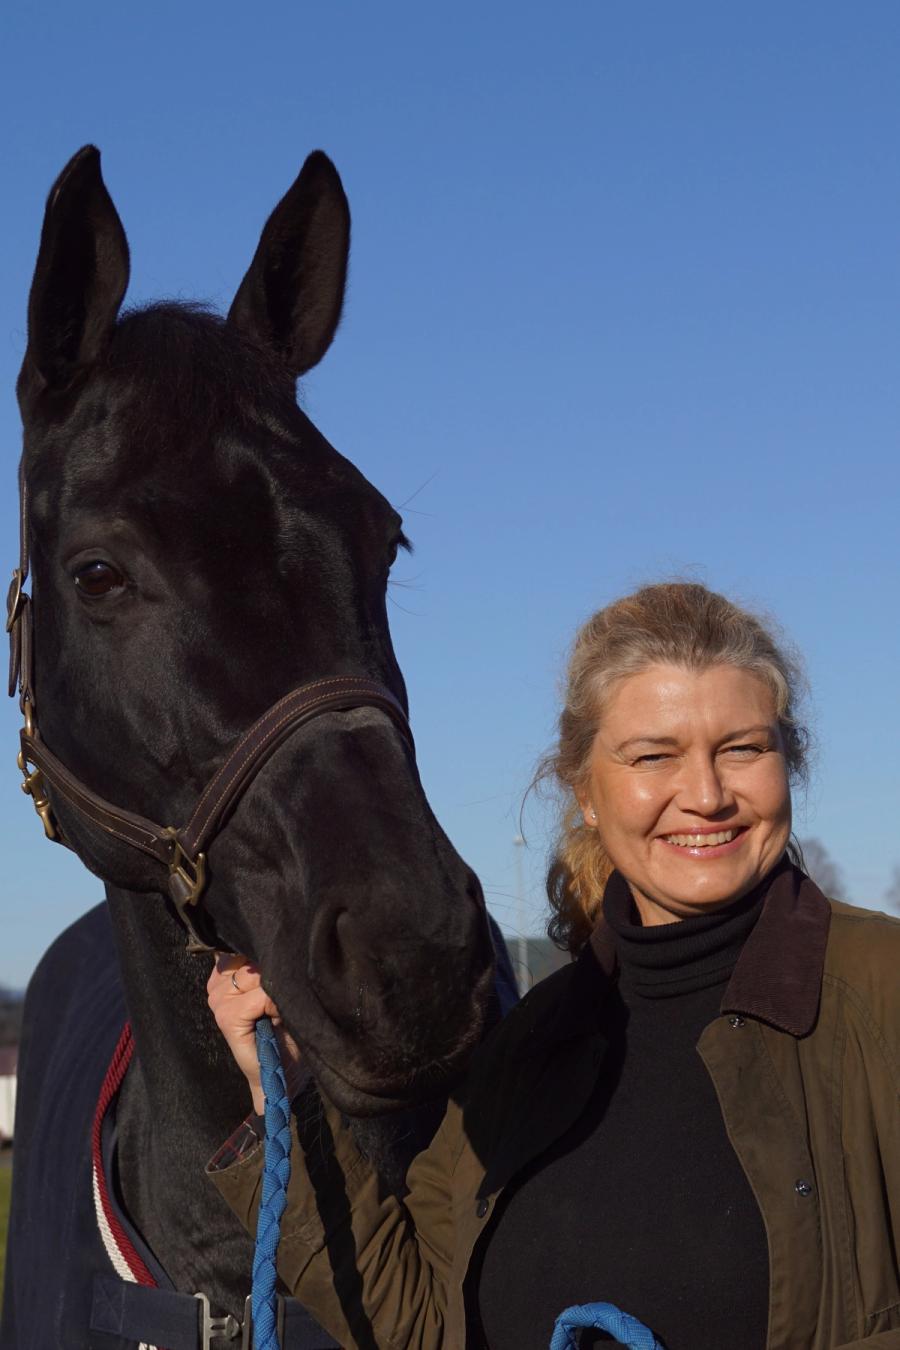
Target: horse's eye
(98, 578)
(400, 541)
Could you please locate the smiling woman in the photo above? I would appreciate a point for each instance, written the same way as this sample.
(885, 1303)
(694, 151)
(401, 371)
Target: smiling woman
(696, 1120)
(680, 725)
(688, 771)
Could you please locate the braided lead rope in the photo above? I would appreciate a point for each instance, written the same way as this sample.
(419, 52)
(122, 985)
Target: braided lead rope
(276, 1175)
(628, 1331)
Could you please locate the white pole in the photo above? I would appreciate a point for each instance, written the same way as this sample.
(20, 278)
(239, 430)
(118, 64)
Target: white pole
(523, 974)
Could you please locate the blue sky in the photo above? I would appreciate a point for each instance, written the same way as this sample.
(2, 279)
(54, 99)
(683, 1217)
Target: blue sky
(624, 302)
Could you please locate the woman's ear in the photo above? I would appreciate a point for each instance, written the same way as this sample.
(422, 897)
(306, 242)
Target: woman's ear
(588, 813)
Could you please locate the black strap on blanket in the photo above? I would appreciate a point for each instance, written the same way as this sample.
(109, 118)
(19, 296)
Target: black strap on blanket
(161, 1317)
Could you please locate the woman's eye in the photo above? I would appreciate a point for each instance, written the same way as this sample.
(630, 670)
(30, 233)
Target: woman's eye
(651, 759)
(745, 751)
(98, 578)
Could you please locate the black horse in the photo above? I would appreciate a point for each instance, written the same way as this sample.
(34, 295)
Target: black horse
(198, 550)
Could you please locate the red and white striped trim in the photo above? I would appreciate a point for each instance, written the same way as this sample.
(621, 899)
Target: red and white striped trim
(125, 1260)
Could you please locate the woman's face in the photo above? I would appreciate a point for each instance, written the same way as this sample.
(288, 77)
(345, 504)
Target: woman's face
(688, 787)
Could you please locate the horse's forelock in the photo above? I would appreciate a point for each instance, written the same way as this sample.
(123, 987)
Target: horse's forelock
(190, 360)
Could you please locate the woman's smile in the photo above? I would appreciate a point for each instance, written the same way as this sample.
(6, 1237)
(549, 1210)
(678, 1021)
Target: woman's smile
(706, 844)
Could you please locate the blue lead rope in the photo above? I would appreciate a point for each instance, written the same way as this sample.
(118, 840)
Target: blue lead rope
(276, 1175)
(607, 1317)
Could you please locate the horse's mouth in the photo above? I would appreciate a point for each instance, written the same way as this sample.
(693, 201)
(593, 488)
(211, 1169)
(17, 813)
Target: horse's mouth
(368, 1094)
(362, 1102)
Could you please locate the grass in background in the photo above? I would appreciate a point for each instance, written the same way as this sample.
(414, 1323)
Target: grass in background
(5, 1187)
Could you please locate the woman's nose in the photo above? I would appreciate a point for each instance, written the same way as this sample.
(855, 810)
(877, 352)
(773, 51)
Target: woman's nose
(703, 788)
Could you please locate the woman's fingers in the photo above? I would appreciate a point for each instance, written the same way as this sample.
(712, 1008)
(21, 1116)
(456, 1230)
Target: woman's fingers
(245, 973)
(237, 1000)
(236, 996)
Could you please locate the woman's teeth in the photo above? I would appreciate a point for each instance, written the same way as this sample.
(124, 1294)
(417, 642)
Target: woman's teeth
(700, 840)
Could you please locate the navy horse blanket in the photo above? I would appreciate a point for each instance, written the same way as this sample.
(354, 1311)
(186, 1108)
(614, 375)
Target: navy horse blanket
(56, 1244)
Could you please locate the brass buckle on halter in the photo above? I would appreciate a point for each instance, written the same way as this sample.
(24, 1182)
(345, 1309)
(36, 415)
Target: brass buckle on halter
(187, 875)
(33, 786)
(187, 881)
(15, 598)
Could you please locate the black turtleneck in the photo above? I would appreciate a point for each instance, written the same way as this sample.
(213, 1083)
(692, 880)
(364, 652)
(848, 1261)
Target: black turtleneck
(643, 1202)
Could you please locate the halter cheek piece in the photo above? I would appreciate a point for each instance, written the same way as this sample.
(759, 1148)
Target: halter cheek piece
(181, 849)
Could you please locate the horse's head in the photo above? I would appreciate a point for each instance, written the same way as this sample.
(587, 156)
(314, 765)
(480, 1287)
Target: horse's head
(199, 550)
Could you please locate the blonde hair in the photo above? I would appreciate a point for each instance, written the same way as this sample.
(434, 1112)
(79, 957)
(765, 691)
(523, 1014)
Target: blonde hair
(677, 623)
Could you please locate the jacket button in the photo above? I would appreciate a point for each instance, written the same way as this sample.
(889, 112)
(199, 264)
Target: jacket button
(481, 1209)
(803, 1188)
(735, 1021)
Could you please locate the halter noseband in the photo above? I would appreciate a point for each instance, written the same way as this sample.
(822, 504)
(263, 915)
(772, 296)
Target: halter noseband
(181, 849)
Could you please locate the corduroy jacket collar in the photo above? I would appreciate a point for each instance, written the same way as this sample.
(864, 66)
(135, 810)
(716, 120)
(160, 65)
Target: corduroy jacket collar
(777, 979)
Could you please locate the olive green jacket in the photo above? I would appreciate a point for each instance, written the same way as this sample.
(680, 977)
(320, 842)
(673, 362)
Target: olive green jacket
(805, 1059)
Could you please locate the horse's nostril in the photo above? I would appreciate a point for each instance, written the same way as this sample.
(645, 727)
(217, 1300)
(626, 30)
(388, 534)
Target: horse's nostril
(336, 964)
(327, 941)
(335, 951)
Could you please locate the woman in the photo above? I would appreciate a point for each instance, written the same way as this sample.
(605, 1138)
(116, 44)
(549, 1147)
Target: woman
(697, 1120)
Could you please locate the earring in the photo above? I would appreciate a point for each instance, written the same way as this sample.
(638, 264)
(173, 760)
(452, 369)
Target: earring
(593, 815)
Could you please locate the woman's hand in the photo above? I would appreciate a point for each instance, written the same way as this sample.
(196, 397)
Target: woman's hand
(237, 1000)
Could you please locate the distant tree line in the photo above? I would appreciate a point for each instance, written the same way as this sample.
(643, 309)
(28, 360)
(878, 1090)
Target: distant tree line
(892, 894)
(829, 877)
(824, 871)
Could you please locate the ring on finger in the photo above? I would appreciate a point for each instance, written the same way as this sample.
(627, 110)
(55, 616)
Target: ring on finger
(234, 984)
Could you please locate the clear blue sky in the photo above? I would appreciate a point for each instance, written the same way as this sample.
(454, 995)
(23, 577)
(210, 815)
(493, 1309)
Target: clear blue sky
(625, 301)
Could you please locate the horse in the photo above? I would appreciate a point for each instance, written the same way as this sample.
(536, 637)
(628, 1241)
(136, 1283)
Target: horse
(202, 560)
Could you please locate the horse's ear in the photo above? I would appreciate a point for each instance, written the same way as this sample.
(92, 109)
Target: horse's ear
(79, 281)
(291, 298)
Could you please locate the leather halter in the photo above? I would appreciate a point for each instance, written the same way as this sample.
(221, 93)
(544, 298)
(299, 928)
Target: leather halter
(181, 849)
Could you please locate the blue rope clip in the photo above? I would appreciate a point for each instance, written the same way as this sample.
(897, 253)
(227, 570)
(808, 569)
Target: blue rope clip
(628, 1331)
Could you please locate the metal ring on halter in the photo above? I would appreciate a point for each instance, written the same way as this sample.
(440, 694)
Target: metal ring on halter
(237, 988)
